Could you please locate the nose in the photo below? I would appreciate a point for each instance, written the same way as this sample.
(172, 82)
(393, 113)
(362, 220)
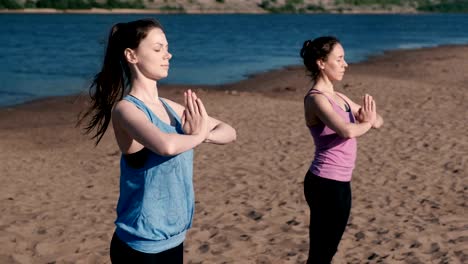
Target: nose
(168, 56)
(345, 64)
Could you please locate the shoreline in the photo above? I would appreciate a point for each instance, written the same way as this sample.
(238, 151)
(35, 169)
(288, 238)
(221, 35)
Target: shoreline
(240, 86)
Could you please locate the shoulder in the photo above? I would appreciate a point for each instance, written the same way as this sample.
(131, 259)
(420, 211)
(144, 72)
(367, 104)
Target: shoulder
(122, 106)
(316, 100)
(124, 109)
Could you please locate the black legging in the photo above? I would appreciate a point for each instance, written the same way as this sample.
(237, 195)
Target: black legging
(330, 205)
(121, 253)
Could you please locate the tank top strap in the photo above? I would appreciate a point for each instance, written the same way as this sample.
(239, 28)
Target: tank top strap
(315, 91)
(171, 110)
(140, 105)
(347, 106)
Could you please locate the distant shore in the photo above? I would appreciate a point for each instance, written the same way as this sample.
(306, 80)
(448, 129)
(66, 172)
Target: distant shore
(188, 11)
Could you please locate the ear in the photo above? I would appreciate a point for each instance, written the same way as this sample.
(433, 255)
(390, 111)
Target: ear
(130, 56)
(320, 64)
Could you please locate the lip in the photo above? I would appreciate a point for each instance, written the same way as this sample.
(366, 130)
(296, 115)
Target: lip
(165, 66)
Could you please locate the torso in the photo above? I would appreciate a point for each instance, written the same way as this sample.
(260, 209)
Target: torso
(158, 109)
(334, 155)
(312, 119)
(126, 143)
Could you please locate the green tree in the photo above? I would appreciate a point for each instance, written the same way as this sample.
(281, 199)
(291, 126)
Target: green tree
(446, 6)
(9, 4)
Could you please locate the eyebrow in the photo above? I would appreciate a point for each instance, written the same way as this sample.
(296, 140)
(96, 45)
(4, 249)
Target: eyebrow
(162, 44)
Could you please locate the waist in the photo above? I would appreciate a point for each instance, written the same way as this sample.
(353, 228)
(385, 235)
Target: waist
(156, 203)
(331, 172)
(150, 246)
(336, 163)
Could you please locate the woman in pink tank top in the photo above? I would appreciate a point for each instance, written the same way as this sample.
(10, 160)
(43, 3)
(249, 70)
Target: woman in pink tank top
(334, 122)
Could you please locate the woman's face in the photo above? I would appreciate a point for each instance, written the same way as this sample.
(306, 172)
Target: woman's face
(335, 65)
(152, 55)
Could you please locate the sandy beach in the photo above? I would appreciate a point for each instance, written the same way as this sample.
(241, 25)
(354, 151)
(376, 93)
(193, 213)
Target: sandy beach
(410, 184)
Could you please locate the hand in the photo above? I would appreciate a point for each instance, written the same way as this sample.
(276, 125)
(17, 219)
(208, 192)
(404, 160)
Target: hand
(194, 118)
(368, 111)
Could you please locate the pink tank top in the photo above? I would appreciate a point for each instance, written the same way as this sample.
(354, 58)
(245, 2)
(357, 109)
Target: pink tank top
(334, 156)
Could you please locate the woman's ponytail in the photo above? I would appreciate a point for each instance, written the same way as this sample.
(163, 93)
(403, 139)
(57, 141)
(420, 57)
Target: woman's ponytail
(110, 84)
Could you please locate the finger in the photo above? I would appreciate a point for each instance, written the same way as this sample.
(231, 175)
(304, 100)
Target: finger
(364, 103)
(190, 102)
(196, 109)
(368, 103)
(202, 107)
(187, 113)
(373, 106)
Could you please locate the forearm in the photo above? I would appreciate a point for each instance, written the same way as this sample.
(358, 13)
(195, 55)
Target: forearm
(221, 134)
(175, 144)
(353, 130)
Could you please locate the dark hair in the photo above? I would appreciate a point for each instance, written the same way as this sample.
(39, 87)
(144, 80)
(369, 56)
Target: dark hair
(317, 49)
(110, 84)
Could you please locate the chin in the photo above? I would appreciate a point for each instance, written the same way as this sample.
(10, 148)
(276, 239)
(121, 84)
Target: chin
(163, 75)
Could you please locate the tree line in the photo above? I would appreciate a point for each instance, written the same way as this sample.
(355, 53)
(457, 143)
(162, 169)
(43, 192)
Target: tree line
(71, 4)
(290, 6)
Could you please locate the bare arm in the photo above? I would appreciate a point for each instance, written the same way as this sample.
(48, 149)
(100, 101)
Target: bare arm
(220, 132)
(321, 107)
(355, 109)
(135, 124)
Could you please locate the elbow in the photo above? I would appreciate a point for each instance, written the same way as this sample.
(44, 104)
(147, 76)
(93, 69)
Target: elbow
(167, 150)
(347, 134)
(228, 137)
(234, 135)
(379, 124)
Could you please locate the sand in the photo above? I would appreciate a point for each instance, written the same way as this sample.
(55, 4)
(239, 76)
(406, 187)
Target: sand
(410, 187)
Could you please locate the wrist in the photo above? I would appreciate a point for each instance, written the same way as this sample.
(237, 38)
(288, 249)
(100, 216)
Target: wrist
(208, 136)
(367, 124)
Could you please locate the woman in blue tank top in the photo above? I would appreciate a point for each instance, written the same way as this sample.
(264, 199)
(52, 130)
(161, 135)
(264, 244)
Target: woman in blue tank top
(156, 137)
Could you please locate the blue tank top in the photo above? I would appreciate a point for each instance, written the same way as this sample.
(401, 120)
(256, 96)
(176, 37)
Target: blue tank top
(156, 202)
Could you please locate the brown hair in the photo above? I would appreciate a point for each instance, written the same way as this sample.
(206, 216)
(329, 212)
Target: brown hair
(317, 49)
(110, 84)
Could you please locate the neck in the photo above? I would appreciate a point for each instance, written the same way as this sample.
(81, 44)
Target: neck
(323, 84)
(145, 90)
